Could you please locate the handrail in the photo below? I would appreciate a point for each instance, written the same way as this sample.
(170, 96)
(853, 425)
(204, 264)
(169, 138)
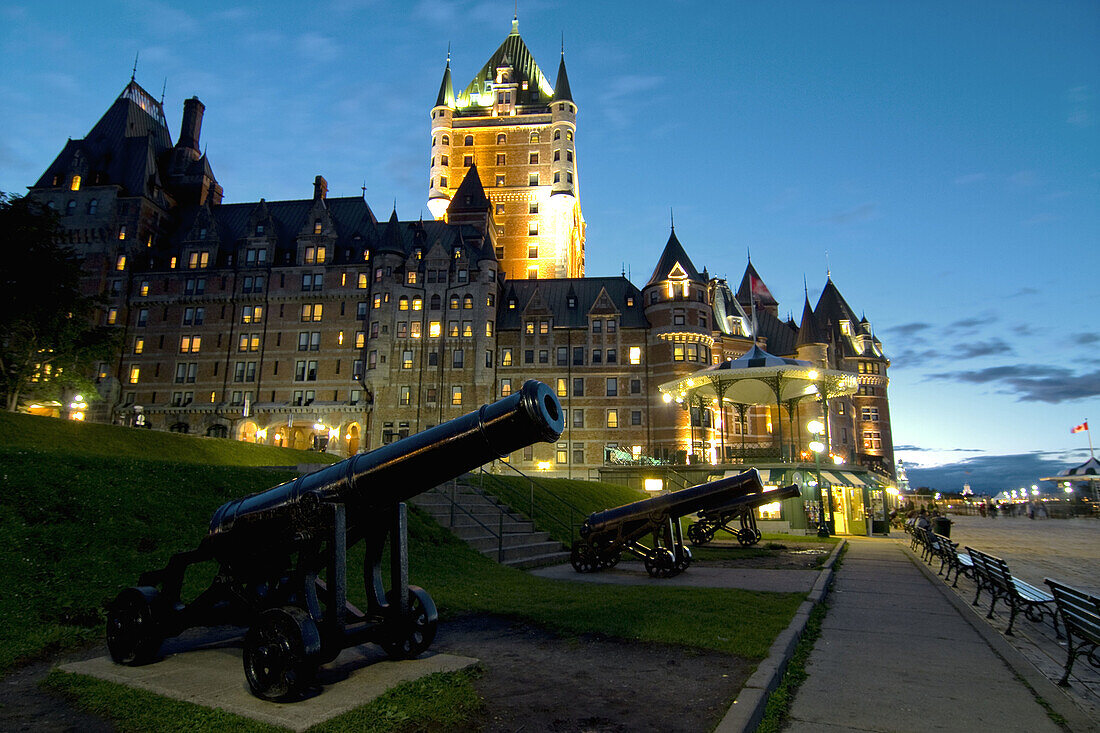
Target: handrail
(574, 512)
(498, 534)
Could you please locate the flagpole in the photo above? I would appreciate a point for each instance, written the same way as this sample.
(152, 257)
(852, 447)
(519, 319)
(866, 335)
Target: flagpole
(1088, 431)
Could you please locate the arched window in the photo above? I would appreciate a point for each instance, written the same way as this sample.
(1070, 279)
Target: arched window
(180, 427)
(468, 302)
(217, 431)
(557, 134)
(469, 140)
(568, 134)
(534, 137)
(75, 185)
(454, 302)
(93, 206)
(501, 138)
(434, 303)
(446, 139)
(403, 303)
(71, 208)
(417, 304)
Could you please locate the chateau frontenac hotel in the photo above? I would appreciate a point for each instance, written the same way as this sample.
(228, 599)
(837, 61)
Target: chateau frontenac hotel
(312, 323)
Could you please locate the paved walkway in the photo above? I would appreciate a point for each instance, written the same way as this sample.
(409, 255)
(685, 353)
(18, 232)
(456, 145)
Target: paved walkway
(897, 653)
(696, 576)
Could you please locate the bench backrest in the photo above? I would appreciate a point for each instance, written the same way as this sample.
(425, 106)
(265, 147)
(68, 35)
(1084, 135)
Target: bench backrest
(1080, 611)
(946, 546)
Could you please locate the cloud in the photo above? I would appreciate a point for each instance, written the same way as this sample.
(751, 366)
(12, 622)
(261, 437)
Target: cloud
(909, 330)
(992, 474)
(1032, 382)
(861, 213)
(969, 325)
(1087, 338)
(969, 178)
(317, 48)
(919, 449)
(1024, 178)
(982, 348)
(908, 358)
(1080, 103)
(1024, 291)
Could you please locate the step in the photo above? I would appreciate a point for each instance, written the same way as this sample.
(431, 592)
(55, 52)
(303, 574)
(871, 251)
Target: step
(538, 561)
(489, 543)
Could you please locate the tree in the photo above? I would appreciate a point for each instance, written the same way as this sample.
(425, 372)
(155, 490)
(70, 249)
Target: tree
(48, 342)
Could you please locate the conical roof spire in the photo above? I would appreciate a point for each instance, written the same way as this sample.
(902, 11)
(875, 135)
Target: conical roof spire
(561, 86)
(470, 194)
(391, 237)
(753, 289)
(446, 97)
(808, 332)
(674, 260)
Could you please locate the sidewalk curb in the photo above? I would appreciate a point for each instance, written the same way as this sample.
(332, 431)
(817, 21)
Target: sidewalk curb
(748, 709)
(1060, 703)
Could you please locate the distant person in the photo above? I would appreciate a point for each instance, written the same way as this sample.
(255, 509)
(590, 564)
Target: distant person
(992, 511)
(981, 509)
(923, 522)
(1031, 511)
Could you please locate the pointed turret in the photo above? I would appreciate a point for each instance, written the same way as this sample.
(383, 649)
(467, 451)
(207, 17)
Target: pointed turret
(470, 195)
(561, 86)
(391, 237)
(446, 97)
(674, 264)
(808, 331)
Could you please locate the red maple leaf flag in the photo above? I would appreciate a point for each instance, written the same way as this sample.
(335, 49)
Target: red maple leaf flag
(760, 290)
(1081, 428)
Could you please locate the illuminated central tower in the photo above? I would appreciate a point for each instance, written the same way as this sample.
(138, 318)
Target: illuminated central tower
(521, 134)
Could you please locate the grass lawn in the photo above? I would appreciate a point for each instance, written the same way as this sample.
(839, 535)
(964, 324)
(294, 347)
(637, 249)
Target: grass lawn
(77, 526)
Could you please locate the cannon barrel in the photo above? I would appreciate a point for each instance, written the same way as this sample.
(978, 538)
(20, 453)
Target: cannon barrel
(401, 470)
(752, 500)
(675, 504)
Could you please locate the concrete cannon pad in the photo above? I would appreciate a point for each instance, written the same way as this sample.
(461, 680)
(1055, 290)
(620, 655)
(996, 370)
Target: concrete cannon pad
(214, 677)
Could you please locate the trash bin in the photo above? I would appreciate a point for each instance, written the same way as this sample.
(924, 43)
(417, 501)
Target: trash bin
(942, 526)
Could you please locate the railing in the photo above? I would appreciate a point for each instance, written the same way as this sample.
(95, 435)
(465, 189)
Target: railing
(455, 506)
(551, 508)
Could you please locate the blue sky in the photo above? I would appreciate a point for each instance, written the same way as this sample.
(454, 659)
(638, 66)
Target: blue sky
(942, 159)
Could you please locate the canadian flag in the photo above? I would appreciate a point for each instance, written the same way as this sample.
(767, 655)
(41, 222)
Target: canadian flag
(760, 290)
(1081, 428)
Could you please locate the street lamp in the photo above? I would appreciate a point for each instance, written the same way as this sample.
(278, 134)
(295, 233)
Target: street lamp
(817, 429)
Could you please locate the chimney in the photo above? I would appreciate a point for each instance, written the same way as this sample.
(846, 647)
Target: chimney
(320, 188)
(192, 124)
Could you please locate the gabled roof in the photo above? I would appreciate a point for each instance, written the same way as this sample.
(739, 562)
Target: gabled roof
(752, 283)
(513, 52)
(554, 295)
(561, 86)
(674, 261)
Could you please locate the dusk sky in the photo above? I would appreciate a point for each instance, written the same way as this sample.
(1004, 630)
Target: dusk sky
(941, 159)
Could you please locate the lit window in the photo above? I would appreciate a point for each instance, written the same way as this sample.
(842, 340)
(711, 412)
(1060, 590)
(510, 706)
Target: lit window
(489, 328)
(414, 329)
(506, 357)
(505, 387)
(112, 316)
(410, 277)
(135, 374)
(120, 263)
(635, 354)
(197, 260)
(533, 272)
(312, 311)
(190, 344)
(317, 228)
(75, 185)
(501, 138)
(139, 345)
(361, 281)
(144, 289)
(404, 396)
(122, 235)
(612, 418)
(456, 395)
(360, 339)
(467, 329)
(403, 303)
(417, 304)
(500, 179)
(434, 329)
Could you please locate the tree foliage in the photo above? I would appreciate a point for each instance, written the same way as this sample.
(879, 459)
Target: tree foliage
(48, 342)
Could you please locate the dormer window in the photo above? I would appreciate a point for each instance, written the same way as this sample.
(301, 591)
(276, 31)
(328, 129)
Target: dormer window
(571, 302)
(202, 233)
(315, 255)
(259, 230)
(317, 227)
(75, 185)
(456, 253)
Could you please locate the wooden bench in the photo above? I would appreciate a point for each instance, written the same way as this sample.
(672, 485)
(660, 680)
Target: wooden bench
(992, 574)
(1080, 614)
(952, 559)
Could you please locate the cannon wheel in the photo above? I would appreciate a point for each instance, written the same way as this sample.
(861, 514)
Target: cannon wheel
(280, 653)
(133, 631)
(747, 537)
(698, 534)
(662, 564)
(409, 636)
(583, 558)
(611, 560)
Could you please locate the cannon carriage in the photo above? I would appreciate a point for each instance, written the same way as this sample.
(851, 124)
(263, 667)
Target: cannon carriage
(281, 554)
(606, 535)
(709, 521)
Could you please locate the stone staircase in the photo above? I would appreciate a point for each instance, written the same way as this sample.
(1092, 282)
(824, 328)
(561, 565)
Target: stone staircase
(478, 518)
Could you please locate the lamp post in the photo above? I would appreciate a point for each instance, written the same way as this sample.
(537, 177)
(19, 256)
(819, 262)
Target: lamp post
(816, 428)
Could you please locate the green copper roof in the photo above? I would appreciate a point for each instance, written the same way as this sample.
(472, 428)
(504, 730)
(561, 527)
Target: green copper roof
(446, 96)
(512, 52)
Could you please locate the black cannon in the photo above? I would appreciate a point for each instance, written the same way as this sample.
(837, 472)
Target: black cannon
(606, 535)
(722, 517)
(282, 554)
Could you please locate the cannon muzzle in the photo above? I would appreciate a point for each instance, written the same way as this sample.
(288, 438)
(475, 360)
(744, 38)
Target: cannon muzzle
(401, 470)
